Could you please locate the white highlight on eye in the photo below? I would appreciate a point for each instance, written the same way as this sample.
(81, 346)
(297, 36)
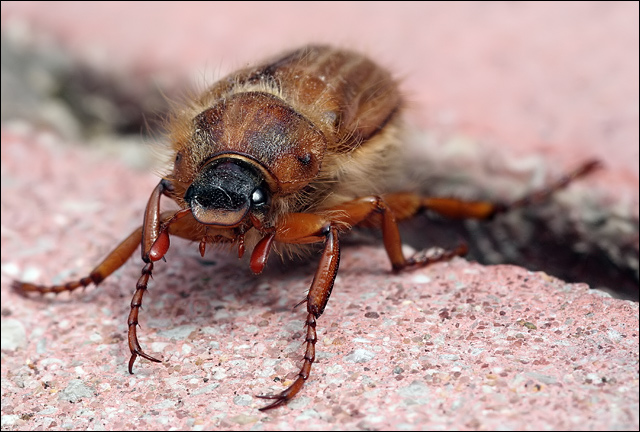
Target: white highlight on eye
(258, 197)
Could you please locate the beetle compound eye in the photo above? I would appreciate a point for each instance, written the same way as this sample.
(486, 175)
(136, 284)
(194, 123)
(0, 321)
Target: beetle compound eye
(259, 197)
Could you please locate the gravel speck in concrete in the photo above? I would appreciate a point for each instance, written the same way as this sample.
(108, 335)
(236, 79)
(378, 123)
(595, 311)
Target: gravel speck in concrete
(14, 335)
(75, 391)
(360, 356)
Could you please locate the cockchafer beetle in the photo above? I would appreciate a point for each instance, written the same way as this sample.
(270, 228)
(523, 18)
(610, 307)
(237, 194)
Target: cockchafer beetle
(292, 152)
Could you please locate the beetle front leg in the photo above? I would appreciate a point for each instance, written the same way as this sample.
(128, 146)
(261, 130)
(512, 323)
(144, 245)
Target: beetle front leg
(155, 244)
(179, 223)
(316, 300)
(132, 321)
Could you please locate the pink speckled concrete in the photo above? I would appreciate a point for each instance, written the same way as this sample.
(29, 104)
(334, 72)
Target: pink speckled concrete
(455, 345)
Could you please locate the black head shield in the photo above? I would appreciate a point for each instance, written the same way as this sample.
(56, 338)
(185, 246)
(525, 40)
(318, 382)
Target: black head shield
(224, 192)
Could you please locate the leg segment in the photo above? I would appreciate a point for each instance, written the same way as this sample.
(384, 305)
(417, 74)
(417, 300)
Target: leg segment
(316, 300)
(386, 211)
(111, 263)
(379, 212)
(176, 223)
(146, 233)
(406, 205)
(152, 218)
(132, 322)
(544, 193)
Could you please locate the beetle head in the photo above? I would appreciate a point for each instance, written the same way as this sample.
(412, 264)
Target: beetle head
(225, 191)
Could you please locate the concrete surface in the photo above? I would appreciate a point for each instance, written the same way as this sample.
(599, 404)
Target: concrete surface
(452, 346)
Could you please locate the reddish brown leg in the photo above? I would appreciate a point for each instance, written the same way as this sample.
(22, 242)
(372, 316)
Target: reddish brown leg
(154, 236)
(111, 263)
(136, 303)
(310, 228)
(116, 258)
(400, 206)
(372, 211)
(318, 295)
(376, 211)
(406, 205)
(544, 193)
(155, 244)
(180, 223)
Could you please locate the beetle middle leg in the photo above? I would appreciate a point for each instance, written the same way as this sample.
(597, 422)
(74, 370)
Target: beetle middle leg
(400, 206)
(109, 264)
(381, 212)
(154, 246)
(300, 228)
